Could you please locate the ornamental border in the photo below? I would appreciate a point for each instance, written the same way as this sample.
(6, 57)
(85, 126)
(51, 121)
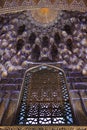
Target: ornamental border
(43, 127)
(59, 7)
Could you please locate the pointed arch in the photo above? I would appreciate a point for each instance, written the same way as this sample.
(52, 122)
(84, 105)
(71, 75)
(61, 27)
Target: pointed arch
(20, 2)
(85, 1)
(2, 2)
(52, 1)
(69, 1)
(36, 1)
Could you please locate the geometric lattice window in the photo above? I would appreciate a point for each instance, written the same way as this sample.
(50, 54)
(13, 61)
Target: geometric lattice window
(44, 98)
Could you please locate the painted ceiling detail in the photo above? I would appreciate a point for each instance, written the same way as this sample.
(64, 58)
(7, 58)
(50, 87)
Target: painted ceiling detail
(14, 5)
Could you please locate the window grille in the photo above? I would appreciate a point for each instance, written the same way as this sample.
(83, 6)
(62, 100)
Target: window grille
(44, 98)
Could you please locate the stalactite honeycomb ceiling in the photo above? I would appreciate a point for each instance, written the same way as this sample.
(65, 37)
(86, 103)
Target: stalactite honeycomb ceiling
(17, 5)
